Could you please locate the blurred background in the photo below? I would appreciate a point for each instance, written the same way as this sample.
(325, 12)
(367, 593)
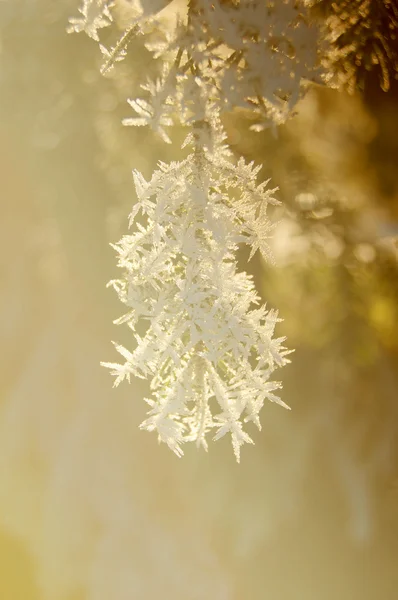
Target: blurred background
(91, 508)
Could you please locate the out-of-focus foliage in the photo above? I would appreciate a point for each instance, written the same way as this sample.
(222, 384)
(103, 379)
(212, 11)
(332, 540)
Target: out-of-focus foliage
(360, 38)
(337, 275)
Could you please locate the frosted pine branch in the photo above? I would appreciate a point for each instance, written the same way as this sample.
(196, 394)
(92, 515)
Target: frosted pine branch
(206, 345)
(208, 349)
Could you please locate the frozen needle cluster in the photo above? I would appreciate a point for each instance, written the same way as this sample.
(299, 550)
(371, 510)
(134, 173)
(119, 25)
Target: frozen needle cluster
(208, 348)
(202, 337)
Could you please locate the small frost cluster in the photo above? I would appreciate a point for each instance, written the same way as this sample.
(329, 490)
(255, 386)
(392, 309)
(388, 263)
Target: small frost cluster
(256, 55)
(202, 338)
(95, 14)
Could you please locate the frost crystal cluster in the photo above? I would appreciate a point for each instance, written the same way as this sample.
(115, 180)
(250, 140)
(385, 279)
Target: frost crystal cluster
(207, 349)
(94, 15)
(202, 337)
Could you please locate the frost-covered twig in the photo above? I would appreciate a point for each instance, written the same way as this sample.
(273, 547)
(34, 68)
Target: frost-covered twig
(209, 348)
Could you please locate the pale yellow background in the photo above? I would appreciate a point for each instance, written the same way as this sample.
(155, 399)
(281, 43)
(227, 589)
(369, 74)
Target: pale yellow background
(90, 507)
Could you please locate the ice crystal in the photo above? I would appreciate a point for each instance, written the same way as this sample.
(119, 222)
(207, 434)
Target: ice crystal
(95, 15)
